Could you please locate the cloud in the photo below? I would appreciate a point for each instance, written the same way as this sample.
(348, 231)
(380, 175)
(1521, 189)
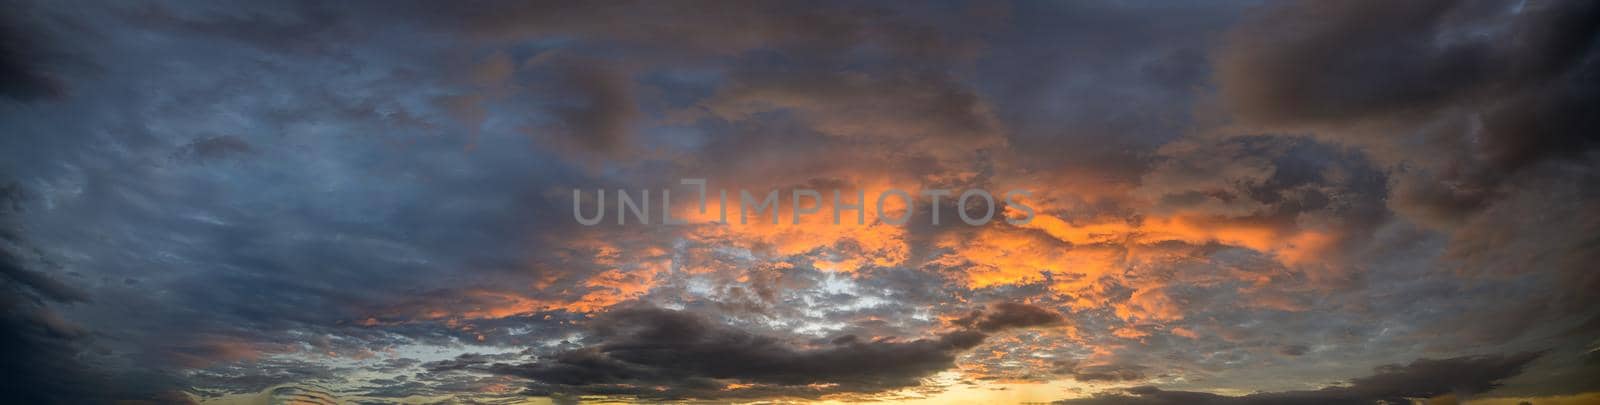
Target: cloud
(39, 345)
(361, 238)
(715, 27)
(1294, 350)
(1105, 372)
(1328, 197)
(632, 351)
(923, 108)
(23, 63)
(599, 111)
(1010, 315)
(213, 148)
(1469, 109)
(290, 27)
(1468, 91)
(49, 359)
(1395, 383)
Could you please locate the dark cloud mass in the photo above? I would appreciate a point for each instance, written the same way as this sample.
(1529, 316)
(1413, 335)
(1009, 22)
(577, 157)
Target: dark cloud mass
(1474, 105)
(48, 358)
(1392, 384)
(631, 350)
(370, 202)
(602, 120)
(1007, 315)
(24, 65)
(37, 343)
(1476, 83)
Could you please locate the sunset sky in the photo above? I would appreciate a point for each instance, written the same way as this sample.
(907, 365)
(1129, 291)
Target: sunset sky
(372, 202)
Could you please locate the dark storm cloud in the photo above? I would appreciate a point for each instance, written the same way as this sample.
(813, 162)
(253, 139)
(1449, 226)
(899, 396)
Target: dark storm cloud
(48, 358)
(1010, 315)
(1474, 82)
(1557, 281)
(38, 345)
(1120, 80)
(1421, 379)
(632, 350)
(1473, 109)
(1313, 62)
(599, 109)
(1347, 60)
(25, 66)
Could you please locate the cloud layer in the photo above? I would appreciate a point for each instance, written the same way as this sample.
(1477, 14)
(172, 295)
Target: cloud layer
(371, 201)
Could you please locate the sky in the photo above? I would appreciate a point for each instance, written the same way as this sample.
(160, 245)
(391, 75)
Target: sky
(1227, 202)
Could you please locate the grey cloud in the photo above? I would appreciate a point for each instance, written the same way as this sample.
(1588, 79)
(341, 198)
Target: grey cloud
(50, 359)
(294, 27)
(1342, 61)
(1090, 89)
(213, 148)
(1471, 109)
(600, 111)
(1102, 372)
(632, 350)
(40, 365)
(1281, 183)
(905, 106)
(1466, 90)
(25, 65)
(1010, 315)
(1294, 350)
(243, 252)
(1423, 378)
(715, 27)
